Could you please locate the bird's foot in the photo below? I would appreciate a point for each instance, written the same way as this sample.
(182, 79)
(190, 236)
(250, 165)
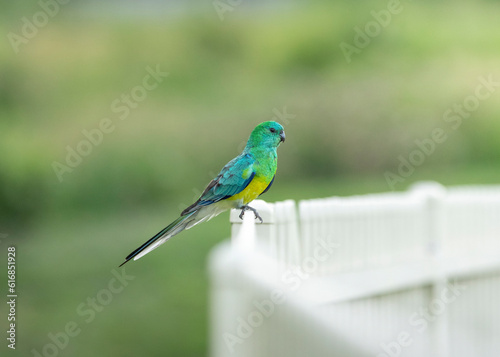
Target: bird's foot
(248, 208)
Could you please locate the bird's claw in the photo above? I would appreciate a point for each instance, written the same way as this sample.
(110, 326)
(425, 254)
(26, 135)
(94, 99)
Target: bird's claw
(248, 208)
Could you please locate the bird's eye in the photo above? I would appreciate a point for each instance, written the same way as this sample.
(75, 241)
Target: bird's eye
(272, 130)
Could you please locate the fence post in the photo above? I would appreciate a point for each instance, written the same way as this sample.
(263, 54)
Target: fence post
(433, 193)
(251, 235)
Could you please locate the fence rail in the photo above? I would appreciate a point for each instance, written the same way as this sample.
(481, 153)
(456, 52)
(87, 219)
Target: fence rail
(397, 274)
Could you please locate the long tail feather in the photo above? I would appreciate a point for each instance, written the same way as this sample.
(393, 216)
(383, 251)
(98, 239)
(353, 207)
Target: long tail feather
(162, 236)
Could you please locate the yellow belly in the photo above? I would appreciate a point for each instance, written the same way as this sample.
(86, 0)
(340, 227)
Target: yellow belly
(252, 191)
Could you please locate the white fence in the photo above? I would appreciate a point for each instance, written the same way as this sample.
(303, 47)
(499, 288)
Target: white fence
(397, 274)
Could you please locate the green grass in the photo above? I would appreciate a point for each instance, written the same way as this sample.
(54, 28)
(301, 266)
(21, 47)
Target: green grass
(224, 78)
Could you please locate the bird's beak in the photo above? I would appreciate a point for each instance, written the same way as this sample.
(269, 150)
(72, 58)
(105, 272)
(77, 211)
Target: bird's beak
(282, 136)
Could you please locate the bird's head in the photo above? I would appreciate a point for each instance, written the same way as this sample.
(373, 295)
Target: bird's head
(268, 134)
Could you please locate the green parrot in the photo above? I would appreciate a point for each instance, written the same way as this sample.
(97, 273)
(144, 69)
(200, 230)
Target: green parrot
(242, 180)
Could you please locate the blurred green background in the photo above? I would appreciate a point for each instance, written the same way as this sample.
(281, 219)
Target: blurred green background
(347, 123)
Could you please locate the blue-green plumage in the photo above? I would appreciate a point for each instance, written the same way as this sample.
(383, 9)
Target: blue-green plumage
(243, 179)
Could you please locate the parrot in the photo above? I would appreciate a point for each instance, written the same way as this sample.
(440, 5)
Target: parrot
(240, 181)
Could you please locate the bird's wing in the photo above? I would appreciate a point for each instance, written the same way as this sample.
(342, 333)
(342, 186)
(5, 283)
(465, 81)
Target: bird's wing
(232, 179)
